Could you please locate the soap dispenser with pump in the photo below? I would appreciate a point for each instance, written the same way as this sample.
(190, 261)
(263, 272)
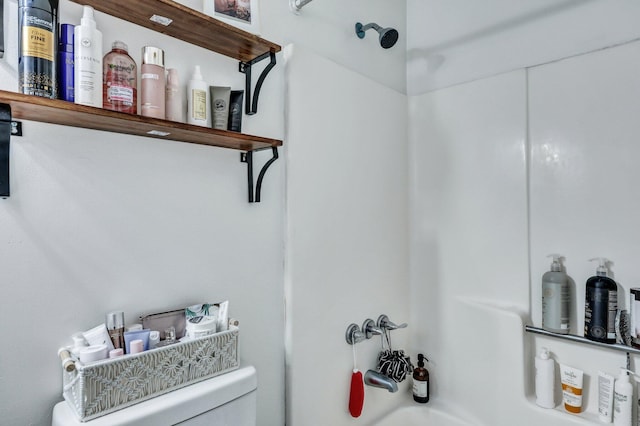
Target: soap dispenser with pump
(622, 400)
(421, 381)
(545, 379)
(601, 305)
(556, 297)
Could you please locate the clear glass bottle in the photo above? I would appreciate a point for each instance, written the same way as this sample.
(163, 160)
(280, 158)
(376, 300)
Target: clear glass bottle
(119, 91)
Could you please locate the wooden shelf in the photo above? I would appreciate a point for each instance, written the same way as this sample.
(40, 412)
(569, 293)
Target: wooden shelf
(184, 24)
(188, 25)
(35, 108)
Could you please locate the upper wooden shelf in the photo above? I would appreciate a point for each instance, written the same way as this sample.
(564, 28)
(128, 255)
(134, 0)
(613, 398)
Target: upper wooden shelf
(188, 25)
(53, 111)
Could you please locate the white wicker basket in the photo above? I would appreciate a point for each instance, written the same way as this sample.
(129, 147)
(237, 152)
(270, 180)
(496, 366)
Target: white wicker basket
(100, 388)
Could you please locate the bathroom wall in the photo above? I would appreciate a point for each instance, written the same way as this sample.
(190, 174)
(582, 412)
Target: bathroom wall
(455, 41)
(99, 221)
(346, 234)
(507, 170)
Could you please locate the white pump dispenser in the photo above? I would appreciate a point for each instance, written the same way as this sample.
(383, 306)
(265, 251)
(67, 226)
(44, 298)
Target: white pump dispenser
(545, 379)
(556, 298)
(602, 270)
(198, 111)
(622, 400)
(87, 45)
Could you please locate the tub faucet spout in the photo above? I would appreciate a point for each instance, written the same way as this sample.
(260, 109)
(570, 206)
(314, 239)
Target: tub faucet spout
(379, 380)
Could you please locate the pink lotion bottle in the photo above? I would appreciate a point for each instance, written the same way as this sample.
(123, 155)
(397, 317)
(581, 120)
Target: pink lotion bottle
(152, 83)
(173, 98)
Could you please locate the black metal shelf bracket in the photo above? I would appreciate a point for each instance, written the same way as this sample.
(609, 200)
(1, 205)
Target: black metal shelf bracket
(251, 102)
(1, 28)
(247, 157)
(5, 140)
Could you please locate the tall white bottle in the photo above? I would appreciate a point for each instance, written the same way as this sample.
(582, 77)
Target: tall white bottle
(198, 111)
(622, 400)
(87, 46)
(545, 379)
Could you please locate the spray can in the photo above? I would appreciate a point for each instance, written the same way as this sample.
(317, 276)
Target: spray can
(37, 39)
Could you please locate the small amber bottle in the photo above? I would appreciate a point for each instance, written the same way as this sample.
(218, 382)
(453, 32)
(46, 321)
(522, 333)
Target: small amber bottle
(421, 381)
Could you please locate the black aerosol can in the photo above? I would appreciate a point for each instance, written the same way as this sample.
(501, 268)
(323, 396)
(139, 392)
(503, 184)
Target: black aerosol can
(37, 40)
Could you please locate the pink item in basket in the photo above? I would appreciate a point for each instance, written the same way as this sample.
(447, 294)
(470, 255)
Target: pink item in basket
(136, 346)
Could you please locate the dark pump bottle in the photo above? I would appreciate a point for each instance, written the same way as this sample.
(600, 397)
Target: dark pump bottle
(37, 40)
(601, 306)
(421, 382)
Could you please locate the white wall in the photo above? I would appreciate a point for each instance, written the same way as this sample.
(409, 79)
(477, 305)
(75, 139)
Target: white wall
(508, 169)
(347, 240)
(469, 237)
(449, 42)
(98, 221)
(328, 28)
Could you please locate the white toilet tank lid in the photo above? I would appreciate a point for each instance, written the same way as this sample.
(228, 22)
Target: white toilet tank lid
(172, 407)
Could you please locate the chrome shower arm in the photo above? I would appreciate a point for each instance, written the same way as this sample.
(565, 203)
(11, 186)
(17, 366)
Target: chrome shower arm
(296, 5)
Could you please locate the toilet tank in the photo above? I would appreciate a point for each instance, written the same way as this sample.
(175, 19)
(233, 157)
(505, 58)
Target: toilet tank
(225, 400)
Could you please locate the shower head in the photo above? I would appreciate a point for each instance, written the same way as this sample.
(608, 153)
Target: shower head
(388, 36)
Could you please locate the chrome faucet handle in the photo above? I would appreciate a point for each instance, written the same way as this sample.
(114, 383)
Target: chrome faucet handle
(369, 328)
(384, 323)
(354, 335)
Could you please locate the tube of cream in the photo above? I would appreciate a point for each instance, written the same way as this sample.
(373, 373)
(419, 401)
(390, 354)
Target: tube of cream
(605, 397)
(571, 379)
(130, 336)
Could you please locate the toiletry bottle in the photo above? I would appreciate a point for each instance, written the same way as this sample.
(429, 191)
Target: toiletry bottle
(235, 111)
(173, 107)
(545, 379)
(601, 306)
(65, 63)
(119, 82)
(115, 327)
(421, 382)
(622, 400)
(555, 298)
(152, 82)
(198, 100)
(220, 97)
(37, 39)
(634, 317)
(87, 51)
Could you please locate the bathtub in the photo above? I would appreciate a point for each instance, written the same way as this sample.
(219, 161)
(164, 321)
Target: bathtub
(421, 415)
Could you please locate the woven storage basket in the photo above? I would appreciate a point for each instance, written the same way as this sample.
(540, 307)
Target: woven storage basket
(100, 388)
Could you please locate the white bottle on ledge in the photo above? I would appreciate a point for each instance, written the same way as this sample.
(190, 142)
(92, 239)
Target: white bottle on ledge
(545, 379)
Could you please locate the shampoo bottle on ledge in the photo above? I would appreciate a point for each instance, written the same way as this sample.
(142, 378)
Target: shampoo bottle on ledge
(555, 298)
(545, 379)
(601, 305)
(421, 382)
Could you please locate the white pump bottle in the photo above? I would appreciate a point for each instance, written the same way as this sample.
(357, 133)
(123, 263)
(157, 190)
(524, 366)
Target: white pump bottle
(545, 379)
(87, 45)
(623, 400)
(198, 110)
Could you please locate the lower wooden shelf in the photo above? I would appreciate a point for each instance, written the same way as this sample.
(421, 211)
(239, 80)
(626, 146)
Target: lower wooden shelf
(53, 111)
